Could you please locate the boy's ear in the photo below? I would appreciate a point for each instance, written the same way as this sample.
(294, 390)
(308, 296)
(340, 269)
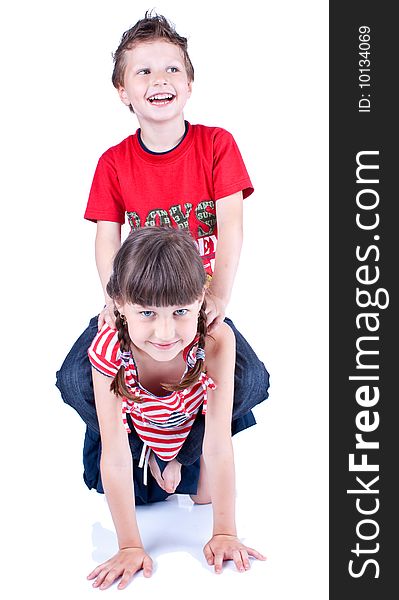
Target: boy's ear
(190, 88)
(123, 96)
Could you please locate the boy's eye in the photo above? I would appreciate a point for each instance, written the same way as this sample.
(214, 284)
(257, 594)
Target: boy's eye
(172, 69)
(143, 72)
(180, 312)
(147, 313)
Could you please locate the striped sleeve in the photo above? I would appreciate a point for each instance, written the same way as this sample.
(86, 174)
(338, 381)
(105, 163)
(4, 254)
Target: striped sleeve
(104, 352)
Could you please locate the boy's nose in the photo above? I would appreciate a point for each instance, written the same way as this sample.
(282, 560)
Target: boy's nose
(160, 78)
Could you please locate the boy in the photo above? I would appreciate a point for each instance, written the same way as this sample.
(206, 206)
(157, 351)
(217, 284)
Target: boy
(168, 173)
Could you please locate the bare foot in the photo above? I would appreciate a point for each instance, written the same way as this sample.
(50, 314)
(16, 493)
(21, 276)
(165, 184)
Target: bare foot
(171, 476)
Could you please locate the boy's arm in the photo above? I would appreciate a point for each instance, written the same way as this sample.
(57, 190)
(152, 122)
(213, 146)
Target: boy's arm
(108, 242)
(229, 218)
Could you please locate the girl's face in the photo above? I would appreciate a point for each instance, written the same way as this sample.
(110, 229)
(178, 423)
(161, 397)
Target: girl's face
(162, 332)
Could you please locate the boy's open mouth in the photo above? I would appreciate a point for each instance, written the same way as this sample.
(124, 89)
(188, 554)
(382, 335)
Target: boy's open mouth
(161, 99)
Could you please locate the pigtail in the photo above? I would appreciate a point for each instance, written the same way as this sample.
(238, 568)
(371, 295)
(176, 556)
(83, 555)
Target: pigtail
(118, 385)
(193, 374)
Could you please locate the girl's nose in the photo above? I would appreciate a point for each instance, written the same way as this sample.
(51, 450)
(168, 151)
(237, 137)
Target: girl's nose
(165, 330)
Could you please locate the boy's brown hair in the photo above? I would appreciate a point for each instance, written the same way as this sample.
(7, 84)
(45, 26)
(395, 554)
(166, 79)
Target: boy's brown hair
(152, 27)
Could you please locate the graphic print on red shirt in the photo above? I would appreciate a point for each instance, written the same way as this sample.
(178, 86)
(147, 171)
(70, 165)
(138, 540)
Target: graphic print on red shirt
(179, 188)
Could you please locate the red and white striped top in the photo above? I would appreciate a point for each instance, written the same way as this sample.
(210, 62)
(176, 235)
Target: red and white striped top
(161, 422)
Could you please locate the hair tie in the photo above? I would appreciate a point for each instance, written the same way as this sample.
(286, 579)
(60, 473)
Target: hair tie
(125, 357)
(200, 354)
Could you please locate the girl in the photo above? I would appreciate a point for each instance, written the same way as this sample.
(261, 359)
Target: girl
(166, 373)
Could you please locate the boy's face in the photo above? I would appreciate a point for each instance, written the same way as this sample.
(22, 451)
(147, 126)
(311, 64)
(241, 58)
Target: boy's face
(155, 82)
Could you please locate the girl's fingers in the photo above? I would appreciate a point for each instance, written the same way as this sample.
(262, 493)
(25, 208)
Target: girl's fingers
(238, 560)
(95, 572)
(126, 577)
(147, 567)
(106, 574)
(255, 553)
(208, 555)
(218, 562)
(245, 559)
(100, 577)
(109, 578)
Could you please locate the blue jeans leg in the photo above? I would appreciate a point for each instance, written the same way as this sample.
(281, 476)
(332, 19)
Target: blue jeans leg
(74, 378)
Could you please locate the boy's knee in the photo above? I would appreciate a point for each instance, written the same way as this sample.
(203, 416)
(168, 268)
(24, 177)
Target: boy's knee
(253, 379)
(74, 377)
(74, 381)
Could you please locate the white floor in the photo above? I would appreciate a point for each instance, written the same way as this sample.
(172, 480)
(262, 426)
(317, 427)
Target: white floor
(59, 531)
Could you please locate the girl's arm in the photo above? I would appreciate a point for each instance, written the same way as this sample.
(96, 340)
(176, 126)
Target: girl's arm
(217, 446)
(218, 455)
(117, 479)
(230, 232)
(108, 242)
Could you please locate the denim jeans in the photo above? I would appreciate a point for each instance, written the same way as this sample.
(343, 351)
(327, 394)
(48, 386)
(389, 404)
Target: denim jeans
(74, 380)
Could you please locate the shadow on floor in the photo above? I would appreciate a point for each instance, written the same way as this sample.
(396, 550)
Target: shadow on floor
(175, 525)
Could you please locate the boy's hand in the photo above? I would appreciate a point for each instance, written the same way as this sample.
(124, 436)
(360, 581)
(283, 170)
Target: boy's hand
(228, 547)
(107, 316)
(124, 564)
(215, 310)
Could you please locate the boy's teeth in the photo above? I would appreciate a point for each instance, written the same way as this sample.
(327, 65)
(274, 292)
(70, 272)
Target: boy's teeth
(160, 97)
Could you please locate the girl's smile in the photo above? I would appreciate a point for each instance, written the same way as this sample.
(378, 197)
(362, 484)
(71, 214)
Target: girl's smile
(161, 332)
(164, 346)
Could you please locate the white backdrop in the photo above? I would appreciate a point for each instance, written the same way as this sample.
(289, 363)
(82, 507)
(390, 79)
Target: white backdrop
(261, 73)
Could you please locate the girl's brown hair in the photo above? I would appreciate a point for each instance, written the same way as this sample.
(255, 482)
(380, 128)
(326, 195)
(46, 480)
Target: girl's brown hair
(152, 27)
(157, 266)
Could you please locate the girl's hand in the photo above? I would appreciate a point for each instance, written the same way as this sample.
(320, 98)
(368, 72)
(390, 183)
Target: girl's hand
(106, 316)
(228, 547)
(125, 563)
(215, 311)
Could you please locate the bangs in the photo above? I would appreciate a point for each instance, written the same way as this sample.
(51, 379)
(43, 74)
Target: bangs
(169, 272)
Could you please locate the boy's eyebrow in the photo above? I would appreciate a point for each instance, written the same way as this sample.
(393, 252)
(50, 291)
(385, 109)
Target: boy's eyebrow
(167, 63)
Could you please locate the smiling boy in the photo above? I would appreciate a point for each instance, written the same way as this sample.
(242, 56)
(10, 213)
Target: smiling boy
(156, 84)
(168, 173)
(154, 76)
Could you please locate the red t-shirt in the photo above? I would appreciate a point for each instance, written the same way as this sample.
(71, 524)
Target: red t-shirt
(177, 188)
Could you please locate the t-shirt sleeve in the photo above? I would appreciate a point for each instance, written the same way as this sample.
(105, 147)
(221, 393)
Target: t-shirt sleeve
(229, 172)
(104, 352)
(105, 199)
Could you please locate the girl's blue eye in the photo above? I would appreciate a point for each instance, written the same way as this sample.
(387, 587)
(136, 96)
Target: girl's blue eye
(147, 313)
(180, 312)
